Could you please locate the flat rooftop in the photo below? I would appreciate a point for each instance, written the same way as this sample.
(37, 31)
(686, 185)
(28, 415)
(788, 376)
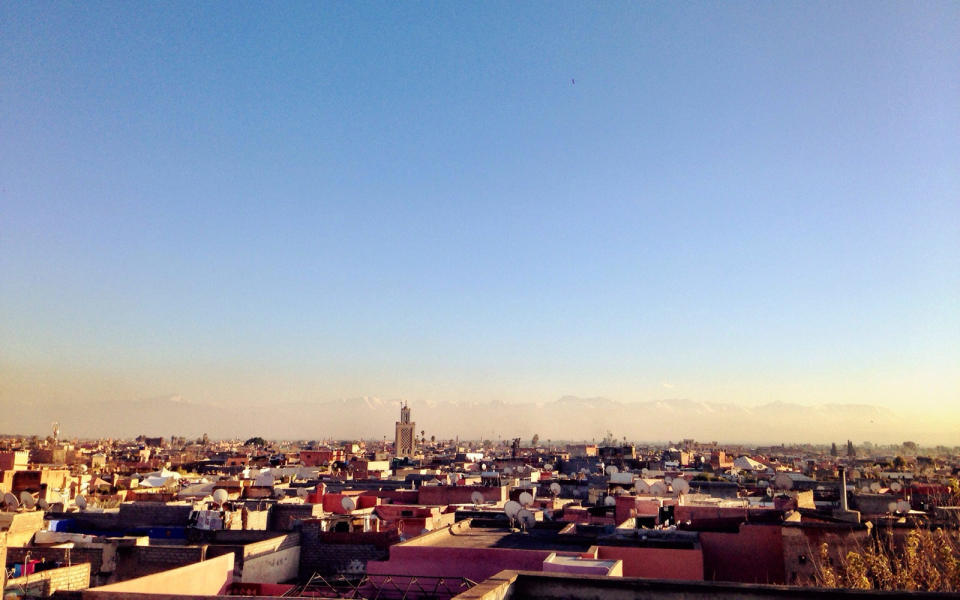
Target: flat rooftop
(463, 535)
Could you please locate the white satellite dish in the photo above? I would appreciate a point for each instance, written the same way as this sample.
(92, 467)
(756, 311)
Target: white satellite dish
(903, 506)
(555, 488)
(303, 492)
(348, 503)
(895, 486)
(527, 519)
(783, 481)
(81, 502)
(667, 479)
(220, 496)
(548, 467)
(875, 487)
(612, 470)
(508, 470)
(27, 499)
(511, 508)
(642, 487)
(526, 499)
(680, 486)
(452, 478)
(483, 466)
(658, 488)
(865, 489)
(264, 479)
(42, 504)
(476, 498)
(892, 507)
(610, 501)
(83, 468)
(644, 471)
(10, 502)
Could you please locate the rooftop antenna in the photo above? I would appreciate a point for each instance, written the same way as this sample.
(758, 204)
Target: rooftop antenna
(220, 496)
(680, 486)
(527, 519)
(511, 509)
(783, 481)
(476, 498)
(27, 499)
(348, 504)
(10, 502)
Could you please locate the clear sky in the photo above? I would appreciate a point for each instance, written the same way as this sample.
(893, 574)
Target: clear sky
(736, 202)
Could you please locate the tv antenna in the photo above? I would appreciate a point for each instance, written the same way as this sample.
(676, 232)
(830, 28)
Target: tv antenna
(10, 502)
(527, 519)
(27, 499)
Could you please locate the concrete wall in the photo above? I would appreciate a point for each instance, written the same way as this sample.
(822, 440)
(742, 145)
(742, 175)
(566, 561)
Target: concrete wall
(209, 577)
(137, 561)
(45, 583)
(752, 555)
(336, 552)
(659, 563)
(21, 527)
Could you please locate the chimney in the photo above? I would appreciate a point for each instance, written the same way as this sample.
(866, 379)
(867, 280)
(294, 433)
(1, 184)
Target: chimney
(843, 490)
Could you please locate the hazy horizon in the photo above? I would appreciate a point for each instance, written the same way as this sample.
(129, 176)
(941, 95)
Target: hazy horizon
(735, 204)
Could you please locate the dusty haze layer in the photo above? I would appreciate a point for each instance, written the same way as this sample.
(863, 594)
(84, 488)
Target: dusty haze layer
(568, 418)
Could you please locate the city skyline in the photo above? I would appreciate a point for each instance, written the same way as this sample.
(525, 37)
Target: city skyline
(739, 204)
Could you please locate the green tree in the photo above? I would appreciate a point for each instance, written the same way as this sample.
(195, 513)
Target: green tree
(256, 441)
(535, 440)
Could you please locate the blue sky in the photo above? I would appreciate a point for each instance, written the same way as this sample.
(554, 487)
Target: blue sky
(739, 202)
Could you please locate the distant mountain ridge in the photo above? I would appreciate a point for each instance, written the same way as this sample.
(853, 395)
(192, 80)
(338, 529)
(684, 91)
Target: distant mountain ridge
(568, 417)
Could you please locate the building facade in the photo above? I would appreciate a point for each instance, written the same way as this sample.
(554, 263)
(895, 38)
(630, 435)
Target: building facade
(405, 442)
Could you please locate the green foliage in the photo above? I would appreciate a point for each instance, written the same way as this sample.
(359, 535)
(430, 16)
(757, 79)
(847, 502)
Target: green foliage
(256, 441)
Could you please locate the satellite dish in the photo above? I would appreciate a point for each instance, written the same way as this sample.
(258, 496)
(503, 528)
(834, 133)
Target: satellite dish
(508, 470)
(642, 487)
(903, 506)
(303, 492)
(865, 489)
(610, 501)
(659, 488)
(10, 502)
(27, 499)
(526, 499)
(511, 508)
(348, 503)
(81, 502)
(680, 486)
(892, 507)
(220, 496)
(483, 466)
(476, 498)
(527, 519)
(452, 478)
(644, 471)
(548, 467)
(584, 470)
(668, 480)
(555, 488)
(612, 470)
(264, 479)
(42, 504)
(783, 481)
(895, 486)
(875, 487)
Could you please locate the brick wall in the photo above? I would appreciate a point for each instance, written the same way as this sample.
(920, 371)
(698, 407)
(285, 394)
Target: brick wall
(284, 516)
(66, 556)
(150, 514)
(338, 552)
(137, 561)
(45, 583)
